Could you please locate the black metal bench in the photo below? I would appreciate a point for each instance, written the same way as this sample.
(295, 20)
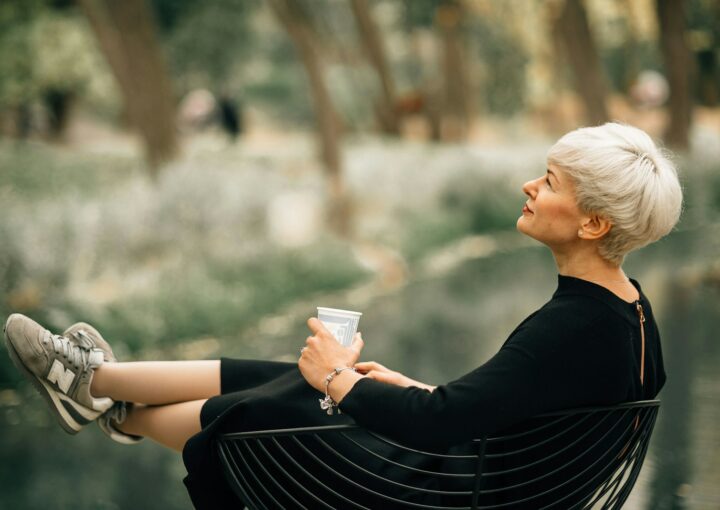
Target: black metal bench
(580, 458)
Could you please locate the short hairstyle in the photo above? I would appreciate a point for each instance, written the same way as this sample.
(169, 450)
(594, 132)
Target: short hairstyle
(619, 173)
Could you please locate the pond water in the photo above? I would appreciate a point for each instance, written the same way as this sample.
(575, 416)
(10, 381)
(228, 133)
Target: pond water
(434, 329)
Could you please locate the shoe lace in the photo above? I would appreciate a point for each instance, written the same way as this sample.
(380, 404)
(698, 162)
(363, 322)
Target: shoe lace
(78, 356)
(117, 413)
(83, 339)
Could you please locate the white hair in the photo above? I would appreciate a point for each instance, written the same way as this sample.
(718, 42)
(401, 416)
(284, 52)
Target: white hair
(620, 174)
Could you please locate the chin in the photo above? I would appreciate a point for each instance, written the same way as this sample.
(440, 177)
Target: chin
(524, 230)
(520, 227)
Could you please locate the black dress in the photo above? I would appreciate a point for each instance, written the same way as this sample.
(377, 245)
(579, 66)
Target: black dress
(582, 348)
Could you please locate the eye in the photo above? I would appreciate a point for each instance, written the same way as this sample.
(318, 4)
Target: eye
(547, 181)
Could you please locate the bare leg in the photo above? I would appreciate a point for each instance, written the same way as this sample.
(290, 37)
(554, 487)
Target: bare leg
(170, 425)
(157, 382)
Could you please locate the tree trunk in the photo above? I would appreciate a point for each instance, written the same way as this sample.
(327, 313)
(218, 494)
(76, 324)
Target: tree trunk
(370, 37)
(295, 22)
(573, 29)
(456, 104)
(677, 57)
(631, 65)
(125, 32)
(708, 82)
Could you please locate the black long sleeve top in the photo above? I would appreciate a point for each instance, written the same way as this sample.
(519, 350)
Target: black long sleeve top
(582, 348)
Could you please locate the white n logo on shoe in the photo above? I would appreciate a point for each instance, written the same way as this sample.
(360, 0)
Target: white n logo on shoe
(61, 376)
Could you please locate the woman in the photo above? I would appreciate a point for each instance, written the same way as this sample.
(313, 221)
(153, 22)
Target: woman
(607, 191)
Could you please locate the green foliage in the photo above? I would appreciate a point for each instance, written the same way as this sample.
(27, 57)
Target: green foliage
(420, 13)
(623, 63)
(207, 42)
(489, 204)
(704, 15)
(469, 203)
(35, 171)
(170, 13)
(425, 232)
(234, 48)
(42, 49)
(16, 17)
(714, 187)
(221, 298)
(503, 61)
(283, 91)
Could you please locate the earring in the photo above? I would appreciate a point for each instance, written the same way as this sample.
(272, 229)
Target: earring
(580, 233)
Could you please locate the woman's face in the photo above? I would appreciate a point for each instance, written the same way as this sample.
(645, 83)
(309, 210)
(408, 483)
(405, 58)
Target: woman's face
(551, 214)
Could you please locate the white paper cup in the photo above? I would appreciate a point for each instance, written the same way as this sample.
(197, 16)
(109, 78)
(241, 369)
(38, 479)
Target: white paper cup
(342, 324)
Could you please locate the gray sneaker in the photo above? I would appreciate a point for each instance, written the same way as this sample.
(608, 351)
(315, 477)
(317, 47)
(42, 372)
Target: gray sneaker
(109, 421)
(60, 370)
(86, 336)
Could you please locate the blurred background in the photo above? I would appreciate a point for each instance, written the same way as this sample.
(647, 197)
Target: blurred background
(194, 178)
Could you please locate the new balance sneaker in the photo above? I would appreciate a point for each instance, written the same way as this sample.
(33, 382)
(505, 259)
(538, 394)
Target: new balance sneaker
(109, 422)
(86, 336)
(60, 370)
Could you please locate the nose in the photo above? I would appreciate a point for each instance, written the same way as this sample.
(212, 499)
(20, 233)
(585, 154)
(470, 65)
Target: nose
(530, 188)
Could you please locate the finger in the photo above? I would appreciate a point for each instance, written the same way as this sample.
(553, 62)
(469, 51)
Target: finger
(360, 370)
(319, 329)
(366, 365)
(379, 376)
(357, 343)
(316, 326)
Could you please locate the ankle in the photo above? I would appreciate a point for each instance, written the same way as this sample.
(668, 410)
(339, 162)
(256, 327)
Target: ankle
(131, 424)
(98, 386)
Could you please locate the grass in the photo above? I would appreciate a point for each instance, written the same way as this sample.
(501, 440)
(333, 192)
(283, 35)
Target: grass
(34, 170)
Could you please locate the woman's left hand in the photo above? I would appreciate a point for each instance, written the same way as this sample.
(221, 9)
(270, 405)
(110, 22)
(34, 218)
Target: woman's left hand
(322, 353)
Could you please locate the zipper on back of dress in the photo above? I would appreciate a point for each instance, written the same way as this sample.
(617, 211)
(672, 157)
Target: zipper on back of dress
(641, 316)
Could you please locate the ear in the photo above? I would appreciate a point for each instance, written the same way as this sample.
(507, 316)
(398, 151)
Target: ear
(595, 226)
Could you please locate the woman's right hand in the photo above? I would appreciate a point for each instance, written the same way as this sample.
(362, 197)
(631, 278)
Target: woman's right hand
(375, 370)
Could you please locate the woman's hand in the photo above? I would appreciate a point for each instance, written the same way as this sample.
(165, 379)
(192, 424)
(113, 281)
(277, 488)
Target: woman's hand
(379, 372)
(322, 353)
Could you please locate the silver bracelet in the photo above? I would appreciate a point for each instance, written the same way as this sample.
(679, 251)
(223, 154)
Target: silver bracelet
(328, 403)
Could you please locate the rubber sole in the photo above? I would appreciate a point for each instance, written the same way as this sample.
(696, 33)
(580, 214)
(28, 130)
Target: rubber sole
(62, 409)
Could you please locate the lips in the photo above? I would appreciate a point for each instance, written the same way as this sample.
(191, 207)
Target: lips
(527, 209)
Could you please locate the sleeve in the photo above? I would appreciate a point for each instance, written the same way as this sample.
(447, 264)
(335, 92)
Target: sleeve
(539, 369)
(496, 394)
(661, 376)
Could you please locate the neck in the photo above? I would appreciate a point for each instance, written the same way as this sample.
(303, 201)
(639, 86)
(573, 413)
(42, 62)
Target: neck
(588, 266)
